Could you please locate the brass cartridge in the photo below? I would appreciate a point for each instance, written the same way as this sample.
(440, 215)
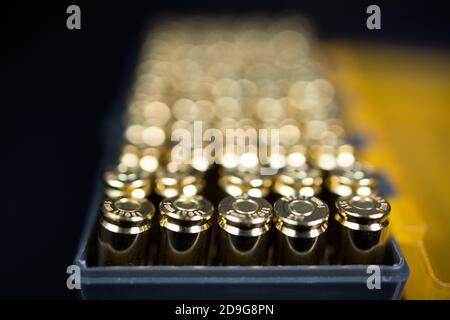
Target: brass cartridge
(185, 230)
(243, 236)
(125, 234)
(300, 223)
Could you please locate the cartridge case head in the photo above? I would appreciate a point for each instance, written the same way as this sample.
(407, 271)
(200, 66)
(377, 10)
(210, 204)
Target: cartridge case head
(127, 182)
(363, 228)
(173, 180)
(300, 224)
(304, 181)
(331, 156)
(360, 179)
(239, 181)
(245, 215)
(369, 213)
(300, 216)
(243, 234)
(127, 215)
(126, 234)
(185, 230)
(189, 214)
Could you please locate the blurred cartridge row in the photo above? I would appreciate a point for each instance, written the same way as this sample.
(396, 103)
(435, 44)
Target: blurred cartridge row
(264, 73)
(304, 200)
(248, 230)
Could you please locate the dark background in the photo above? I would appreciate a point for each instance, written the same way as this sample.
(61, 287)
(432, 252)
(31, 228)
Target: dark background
(57, 86)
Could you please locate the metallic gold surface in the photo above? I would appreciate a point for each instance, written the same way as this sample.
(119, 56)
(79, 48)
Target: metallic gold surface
(239, 181)
(149, 159)
(125, 235)
(173, 180)
(360, 179)
(296, 156)
(257, 74)
(243, 236)
(364, 228)
(301, 223)
(331, 156)
(304, 181)
(127, 182)
(185, 230)
(129, 157)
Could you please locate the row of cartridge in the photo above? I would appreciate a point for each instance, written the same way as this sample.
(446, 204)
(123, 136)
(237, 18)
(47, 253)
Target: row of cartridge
(305, 200)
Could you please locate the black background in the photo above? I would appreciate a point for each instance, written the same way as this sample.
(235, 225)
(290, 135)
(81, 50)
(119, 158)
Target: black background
(57, 85)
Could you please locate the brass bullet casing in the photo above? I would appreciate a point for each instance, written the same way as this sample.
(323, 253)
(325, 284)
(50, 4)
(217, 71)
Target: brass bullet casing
(360, 179)
(149, 159)
(127, 182)
(173, 180)
(125, 234)
(243, 235)
(129, 156)
(303, 181)
(296, 156)
(301, 223)
(364, 228)
(239, 181)
(186, 230)
(331, 156)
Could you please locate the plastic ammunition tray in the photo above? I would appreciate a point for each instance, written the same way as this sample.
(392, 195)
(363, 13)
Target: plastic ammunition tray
(222, 282)
(229, 282)
(238, 282)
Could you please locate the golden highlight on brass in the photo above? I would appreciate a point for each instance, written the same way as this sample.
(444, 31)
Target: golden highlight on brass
(125, 234)
(360, 179)
(185, 230)
(303, 181)
(243, 236)
(127, 182)
(301, 223)
(173, 180)
(331, 156)
(263, 78)
(239, 181)
(363, 229)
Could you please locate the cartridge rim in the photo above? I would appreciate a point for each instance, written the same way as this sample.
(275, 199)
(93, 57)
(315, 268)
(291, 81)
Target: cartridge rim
(187, 208)
(357, 212)
(127, 215)
(370, 207)
(128, 178)
(187, 214)
(296, 156)
(301, 216)
(238, 181)
(171, 182)
(305, 181)
(331, 156)
(245, 215)
(359, 179)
